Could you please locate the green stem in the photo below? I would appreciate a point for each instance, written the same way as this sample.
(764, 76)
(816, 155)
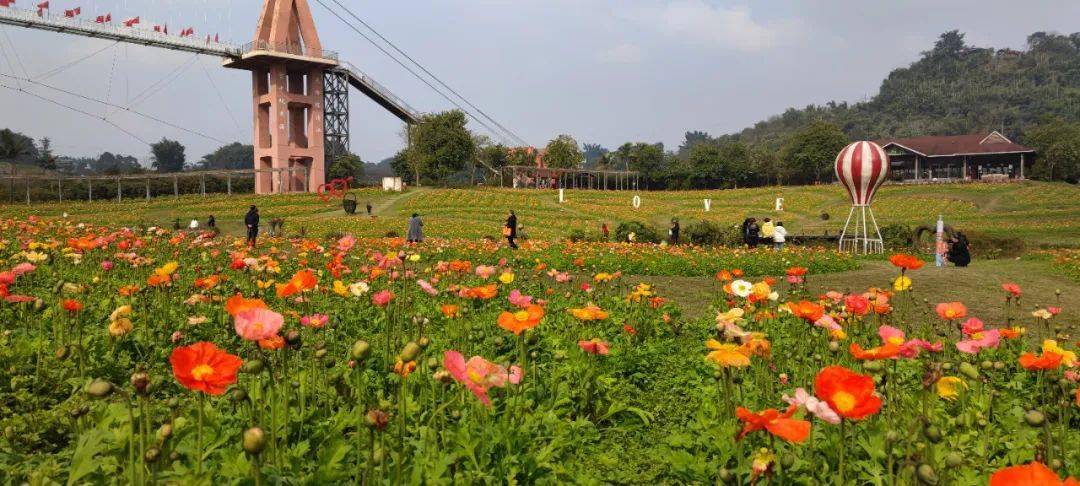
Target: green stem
(199, 437)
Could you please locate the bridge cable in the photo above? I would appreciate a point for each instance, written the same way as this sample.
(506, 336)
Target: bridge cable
(59, 69)
(77, 110)
(221, 97)
(114, 105)
(429, 73)
(158, 85)
(414, 73)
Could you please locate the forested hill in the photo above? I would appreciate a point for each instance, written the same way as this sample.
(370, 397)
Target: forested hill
(953, 89)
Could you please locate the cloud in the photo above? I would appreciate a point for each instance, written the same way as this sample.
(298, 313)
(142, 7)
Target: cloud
(622, 54)
(726, 27)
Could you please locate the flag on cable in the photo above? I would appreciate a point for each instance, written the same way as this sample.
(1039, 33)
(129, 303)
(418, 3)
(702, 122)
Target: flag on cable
(187, 32)
(6, 3)
(131, 22)
(101, 19)
(73, 12)
(41, 8)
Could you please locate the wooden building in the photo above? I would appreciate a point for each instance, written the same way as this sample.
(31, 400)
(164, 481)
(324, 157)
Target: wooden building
(978, 156)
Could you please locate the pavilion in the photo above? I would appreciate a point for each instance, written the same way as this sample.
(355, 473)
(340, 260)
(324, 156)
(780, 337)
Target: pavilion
(978, 156)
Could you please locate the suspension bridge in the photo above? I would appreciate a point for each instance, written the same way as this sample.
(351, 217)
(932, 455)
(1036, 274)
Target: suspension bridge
(300, 91)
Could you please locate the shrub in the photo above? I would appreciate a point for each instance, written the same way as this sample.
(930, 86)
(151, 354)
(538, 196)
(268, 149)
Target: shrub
(642, 233)
(578, 235)
(897, 236)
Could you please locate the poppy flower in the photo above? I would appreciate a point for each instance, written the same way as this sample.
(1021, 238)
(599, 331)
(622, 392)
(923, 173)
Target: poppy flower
(1033, 474)
(301, 281)
(315, 321)
(723, 276)
(483, 292)
(813, 405)
(850, 394)
(857, 305)
(951, 310)
(980, 340)
(1011, 332)
(427, 287)
(589, 313)
(72, 305)
(594, 346)
(450, 311)
(741, 288)
(258, 324)
(806, 310)
(272, 342)
(727, 354)
(237, 304)
(479, 375)
(1045, 361)
(948, 387)
(771, 420)
(885, 351)
(901, 283)
(382, 298)
(518, 299)
(906, 262)
(1068, 358)
(1012, 289)
(519, 321)
(205, 368)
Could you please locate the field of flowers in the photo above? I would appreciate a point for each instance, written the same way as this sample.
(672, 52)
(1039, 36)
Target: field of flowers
(138, 356)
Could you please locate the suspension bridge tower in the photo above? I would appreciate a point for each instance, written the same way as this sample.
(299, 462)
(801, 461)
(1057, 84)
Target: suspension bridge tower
(287, 65)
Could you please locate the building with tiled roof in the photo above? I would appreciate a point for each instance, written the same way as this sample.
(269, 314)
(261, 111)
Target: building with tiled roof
(965, 157)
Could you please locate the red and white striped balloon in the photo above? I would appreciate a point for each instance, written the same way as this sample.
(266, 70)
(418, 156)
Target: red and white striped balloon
(861, 167)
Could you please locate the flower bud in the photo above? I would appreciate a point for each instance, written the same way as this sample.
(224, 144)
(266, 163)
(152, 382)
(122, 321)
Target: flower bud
(61, 353)
(140, 380)
(987, 364)
(377, 419)
(1034, 418)
(932, 434)
(969, 370)
(164, 432)
(834, 346)
(254, 441)
(253, 367)
(292, 338)
(954, 459)
(432, 363)
(238, 394)
(998, 365)
(410, 351)
(152, 455)
(360, 350)
(424, 342)
(99, 388)
(926, 474)
(320, 353)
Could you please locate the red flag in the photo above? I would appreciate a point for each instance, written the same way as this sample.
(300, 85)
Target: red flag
(43, 5)
(157, 28)
(165, 30)
(101, 19)
(216, 38)
(131, 22)
(6, 3)
(73, 12)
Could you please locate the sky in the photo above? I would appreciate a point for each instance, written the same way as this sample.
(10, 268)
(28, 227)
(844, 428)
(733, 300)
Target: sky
(602, 71)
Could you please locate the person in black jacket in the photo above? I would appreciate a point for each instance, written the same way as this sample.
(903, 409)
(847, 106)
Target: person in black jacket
(674, 231)
(252, 222)
(511, 230)
(959, 252)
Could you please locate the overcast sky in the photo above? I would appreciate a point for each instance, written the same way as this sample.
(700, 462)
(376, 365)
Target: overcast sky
(604, 71)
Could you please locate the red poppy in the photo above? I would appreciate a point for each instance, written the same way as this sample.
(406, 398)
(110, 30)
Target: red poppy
(203, 367)
(72, 305)
(237, 304)
(1011, 288)
(885, 351)
(1047, 361)
(1030, 474)
(771, 420)
(806, 310)
(850, 394)
(906, 262)
(796, 271)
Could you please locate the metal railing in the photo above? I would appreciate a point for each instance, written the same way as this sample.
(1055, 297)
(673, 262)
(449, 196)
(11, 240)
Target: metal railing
(135, 35)
(370, 82)
(289, 48)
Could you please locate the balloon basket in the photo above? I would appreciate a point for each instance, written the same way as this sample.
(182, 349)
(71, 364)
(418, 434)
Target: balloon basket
(861, 235)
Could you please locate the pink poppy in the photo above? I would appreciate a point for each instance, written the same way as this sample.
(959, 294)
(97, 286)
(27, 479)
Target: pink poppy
(382, 298)
(520, 300)
(22, 268)
(594, 346)
(315, 321)
(562, 277)
(107, 265)
(857, 305)
(972, 326)
(345, 243)
(834, 296)
(485, 271)
(980, 340)
(795, 279)
(827, 322)
(427, 287)
(1011, 288)
(1053, 310)
(479, 374)
(257, 324)
(585, 287)
(819, 408)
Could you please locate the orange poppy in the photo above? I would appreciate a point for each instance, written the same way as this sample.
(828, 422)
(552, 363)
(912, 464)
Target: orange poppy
(850, 394)
(885, 351)
(518, 321)
(128, 290)
(300, 282)
(796, 271)
(238, 304)
(1046, 361)
(205, 368)
(158, 280)
(483, 292)
(589, 313)
(906, 262)
(1010, 332)
(723, 276)
(208, 282)
(771, 420)
(951, 310)
(272, 342)
(806, 310)
(72, 305)
(450, 311)
(1032, 473)
(726, 354)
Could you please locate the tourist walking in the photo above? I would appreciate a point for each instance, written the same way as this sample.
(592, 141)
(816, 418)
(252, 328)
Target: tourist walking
(251, 220)
(369, 208)
(673, 233)
(779, 235)
(767, 230)
(751, 234)
(605, 232)
(211, 222)
(416, 229)
(510, 230)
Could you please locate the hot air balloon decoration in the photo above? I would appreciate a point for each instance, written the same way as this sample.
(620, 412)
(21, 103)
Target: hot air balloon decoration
(861, 168)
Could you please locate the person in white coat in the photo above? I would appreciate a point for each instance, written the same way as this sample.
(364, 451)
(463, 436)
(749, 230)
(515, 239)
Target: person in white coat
(779, 235)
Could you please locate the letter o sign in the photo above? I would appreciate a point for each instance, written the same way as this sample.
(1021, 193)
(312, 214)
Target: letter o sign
(637, 202)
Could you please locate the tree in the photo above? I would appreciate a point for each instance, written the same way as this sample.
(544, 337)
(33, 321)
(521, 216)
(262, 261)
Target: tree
(16, 147)
(693, 138)
(439, 145)
(345, 166)
(811, 152)
(232, 156)
(46, 159)
(110, 164)
(168, 156)
(593, 153)
(706, 165)
(1058, 145)
(646, 158)
(562, 152)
